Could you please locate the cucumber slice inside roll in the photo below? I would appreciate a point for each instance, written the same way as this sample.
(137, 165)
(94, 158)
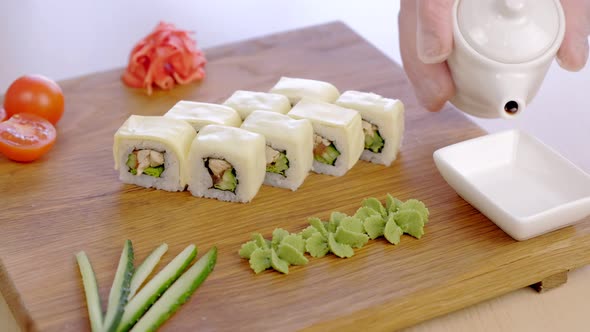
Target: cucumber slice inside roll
(329, 155)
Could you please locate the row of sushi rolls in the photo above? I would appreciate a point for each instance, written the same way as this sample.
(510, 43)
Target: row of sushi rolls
(229, 151)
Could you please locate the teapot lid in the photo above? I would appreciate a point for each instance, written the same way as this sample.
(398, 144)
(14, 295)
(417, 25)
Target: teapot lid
(510, 31)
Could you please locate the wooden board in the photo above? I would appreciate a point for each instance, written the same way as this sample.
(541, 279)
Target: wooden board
(71, 200)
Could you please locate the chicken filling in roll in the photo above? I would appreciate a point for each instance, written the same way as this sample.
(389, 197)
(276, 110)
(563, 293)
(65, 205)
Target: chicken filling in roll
(324, 150)
(223, 174)
(373, 139)
(148, 162)
(276, 161)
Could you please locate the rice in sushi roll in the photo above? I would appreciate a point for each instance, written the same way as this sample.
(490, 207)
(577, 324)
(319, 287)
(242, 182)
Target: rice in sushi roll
(337, 137)
(298, 88)
(245, 102)
(199, 114)
(150, 151)
(226, 163)
(289, 145)
(383, 124)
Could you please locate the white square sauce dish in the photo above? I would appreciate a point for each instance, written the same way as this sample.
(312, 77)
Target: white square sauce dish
(519, 183)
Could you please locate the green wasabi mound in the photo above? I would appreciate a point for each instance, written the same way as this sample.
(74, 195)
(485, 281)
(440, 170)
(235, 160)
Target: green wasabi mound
(410, 221)
(364, 212)
(353, 239)
(278, 264)
(340, 235)
(308, 232)
(291, 255)
(317, 245)
(374, 204)
(260, 260)
(374, 226)
(392, 204)
(282, 250)
(339, 249)
(414, 204)
(392, 232)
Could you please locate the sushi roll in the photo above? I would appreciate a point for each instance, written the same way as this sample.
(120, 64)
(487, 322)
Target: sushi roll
(297, 88)
(289, 145)
(337, 135)
(383, 124)
(245, 102)
(150, 151)
(199, 114)
(226, 163)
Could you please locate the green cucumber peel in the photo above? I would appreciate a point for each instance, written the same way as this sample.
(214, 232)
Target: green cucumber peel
(146, 268)
(142, 301)
(178, 293)
(90, 291)
(120, 289)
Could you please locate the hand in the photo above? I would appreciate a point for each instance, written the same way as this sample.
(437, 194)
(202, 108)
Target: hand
(426, 41)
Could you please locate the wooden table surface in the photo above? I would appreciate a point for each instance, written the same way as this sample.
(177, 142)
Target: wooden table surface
(73, 201)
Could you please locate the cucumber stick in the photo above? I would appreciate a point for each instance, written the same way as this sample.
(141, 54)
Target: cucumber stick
(91, 291)
(149, 293)
(145, 269)
(120, 289)
(178, 293)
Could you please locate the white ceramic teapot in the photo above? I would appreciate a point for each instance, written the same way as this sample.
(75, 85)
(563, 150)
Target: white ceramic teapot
(502, 51)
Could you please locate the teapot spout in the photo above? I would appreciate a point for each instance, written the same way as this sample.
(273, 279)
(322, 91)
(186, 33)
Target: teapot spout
(511, 108)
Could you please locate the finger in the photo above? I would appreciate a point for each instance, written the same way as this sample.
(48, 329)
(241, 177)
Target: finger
(433, 84)
(573, 53)
(435, 30)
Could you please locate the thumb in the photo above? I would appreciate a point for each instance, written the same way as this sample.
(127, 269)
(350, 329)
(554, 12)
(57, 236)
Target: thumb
(573, 53)
(434, 38)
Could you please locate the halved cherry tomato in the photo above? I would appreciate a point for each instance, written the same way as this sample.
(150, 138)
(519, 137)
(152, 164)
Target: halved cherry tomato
(26, 137)
(35, 94)
(2, 114)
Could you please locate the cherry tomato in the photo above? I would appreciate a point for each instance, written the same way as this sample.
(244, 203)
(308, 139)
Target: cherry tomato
(2, 114)
(26, 137)
(37, 95)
